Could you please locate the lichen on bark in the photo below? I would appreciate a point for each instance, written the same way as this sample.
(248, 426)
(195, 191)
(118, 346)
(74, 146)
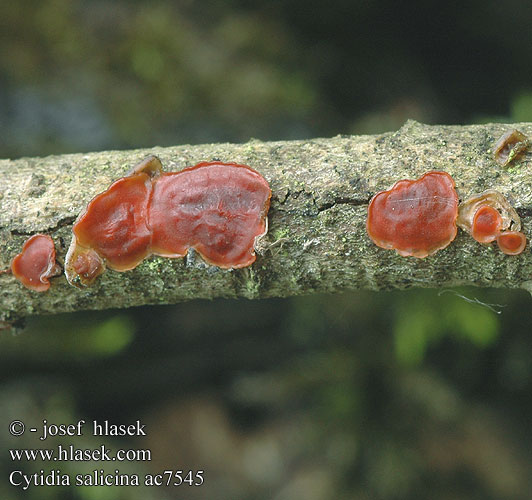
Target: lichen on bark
(317, 240)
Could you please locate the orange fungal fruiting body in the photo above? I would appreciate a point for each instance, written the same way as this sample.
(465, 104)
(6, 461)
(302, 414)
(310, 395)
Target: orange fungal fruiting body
(85, 263)
(487, 224)
(489, 216)
(219, 209)
(468, 209)
(115, 223)
(415, 217)
(36, 263)
(511, 242)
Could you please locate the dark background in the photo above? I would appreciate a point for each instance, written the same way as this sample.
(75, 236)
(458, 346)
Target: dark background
(408, 395)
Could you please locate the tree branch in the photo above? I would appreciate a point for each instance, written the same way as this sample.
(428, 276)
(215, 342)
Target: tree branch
(317, 240)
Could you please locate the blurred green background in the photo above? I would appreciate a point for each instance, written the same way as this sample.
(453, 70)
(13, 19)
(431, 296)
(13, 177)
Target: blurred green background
(408, 395)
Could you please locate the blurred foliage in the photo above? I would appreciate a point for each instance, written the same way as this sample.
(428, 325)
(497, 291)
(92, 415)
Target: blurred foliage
(120, 75)
(522, 107)
(417, 394)
(93, 339)
(415, 328)
(300, 397)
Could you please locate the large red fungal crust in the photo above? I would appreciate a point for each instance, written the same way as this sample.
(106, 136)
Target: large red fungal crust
(36, 263)
(415, 217)
(511, 242)
(219, 209)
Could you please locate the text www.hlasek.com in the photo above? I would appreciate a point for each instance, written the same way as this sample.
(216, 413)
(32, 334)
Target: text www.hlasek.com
(72, 454)
(97, 477)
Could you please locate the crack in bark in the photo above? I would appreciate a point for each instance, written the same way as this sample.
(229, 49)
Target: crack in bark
(63, 222)
(355, 202)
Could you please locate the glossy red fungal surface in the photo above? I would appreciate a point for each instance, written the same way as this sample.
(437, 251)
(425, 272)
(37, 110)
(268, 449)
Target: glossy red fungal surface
(115, 223)
(494, 199)
(219, 209)
(36, 263)
(511, 242)
(487, 224)
(415, 217)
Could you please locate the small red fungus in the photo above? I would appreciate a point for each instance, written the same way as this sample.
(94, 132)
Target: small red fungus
(114, 223)
(416, 218)
(36, 263)
(511, 242)
(87, 264)
(468, 209)
(509, 146)
(487, 224)
(489, 216)
(219, 209)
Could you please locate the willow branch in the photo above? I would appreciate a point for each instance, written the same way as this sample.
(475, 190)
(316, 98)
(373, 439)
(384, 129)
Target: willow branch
(317, 240)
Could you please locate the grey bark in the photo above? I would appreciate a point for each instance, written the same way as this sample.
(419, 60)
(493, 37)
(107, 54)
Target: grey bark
(317, 240)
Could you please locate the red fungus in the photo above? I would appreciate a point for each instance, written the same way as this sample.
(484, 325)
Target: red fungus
(36, 263)
(468, 209)
(416, 218)
(87, 264)
(113, 229)
(489, 216)
(114, 223)
(509, 146)
(511, 242)
(487, 224)
(219, 209)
